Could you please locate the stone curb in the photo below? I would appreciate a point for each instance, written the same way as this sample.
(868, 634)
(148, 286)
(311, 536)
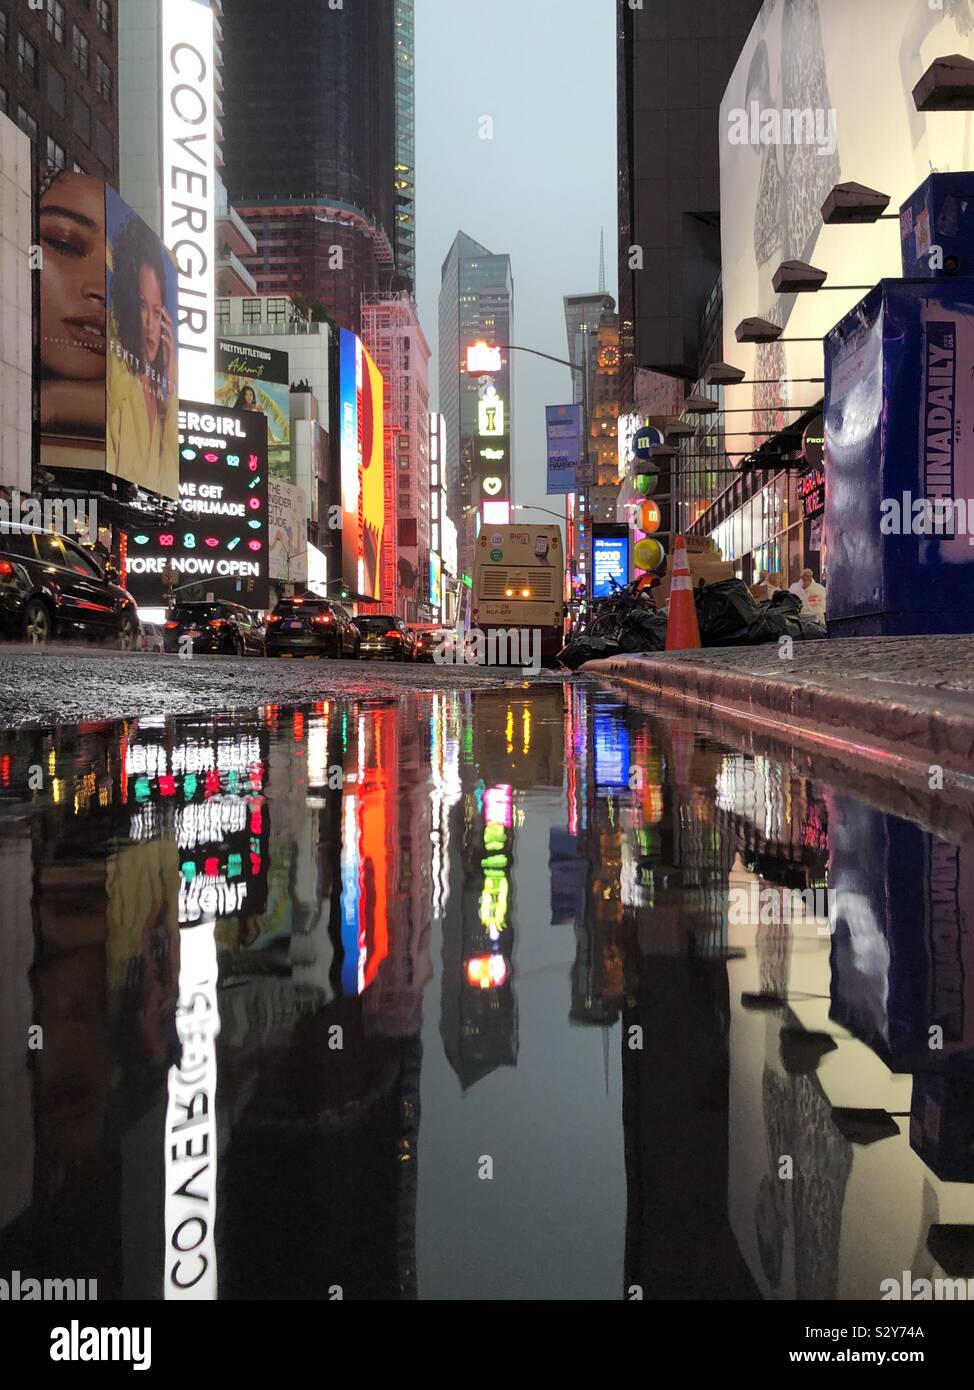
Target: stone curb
(912, 727)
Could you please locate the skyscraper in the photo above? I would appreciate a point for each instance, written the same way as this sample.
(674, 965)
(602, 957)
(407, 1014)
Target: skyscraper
(582, 314)
(476, 302)
(405, 181)
(316, 120)
(58, 70)
(671, 77)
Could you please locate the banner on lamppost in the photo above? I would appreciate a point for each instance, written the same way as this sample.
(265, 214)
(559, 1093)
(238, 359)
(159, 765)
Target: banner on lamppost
(564, 431)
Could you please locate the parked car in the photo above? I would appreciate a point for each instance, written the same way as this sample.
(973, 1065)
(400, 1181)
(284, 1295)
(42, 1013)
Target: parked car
(50, 587)
(217, 627)
(312, 626)
(385, 635)
(152, 638)
(428, 640)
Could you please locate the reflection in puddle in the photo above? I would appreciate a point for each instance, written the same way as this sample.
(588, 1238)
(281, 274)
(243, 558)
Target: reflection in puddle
(498, 994)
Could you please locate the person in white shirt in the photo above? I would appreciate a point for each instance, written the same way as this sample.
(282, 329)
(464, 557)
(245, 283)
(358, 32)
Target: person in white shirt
(812, 595)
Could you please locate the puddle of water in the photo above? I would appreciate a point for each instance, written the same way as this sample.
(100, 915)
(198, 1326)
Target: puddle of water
(483, 994)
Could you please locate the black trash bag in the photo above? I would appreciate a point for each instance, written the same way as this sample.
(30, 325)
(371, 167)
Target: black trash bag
(729, 617)
(809, 628)
(643, 632)
(587, 649)
(781, 614)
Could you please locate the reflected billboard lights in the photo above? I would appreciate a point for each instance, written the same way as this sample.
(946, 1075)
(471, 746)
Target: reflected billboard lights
(497, 805)
(487, 972)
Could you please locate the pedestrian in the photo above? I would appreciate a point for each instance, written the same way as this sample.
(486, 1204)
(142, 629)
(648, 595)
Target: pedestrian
(812, 595)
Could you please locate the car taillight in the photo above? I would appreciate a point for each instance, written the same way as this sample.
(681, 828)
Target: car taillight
(394, 633)
(6, 567)
(274, 618)
(217, 622)
(170, 626)
(323, 620)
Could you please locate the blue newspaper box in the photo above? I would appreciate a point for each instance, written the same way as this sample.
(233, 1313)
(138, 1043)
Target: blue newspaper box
(899, 452)
(937, 227)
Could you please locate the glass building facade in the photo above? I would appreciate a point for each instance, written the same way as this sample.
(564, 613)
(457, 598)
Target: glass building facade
(313, 113)
(405, 171)
(476, 302)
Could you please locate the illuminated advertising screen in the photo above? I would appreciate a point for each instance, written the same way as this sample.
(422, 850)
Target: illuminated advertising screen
(362, 464)
(287, 541)
(108, 306)
(188, 182)
(219, 542)
(490, 417)
(496, 513)
(256, 378)
(610, 561)
(436, 572)
(482, 358)
(612, 757)
(793, 124)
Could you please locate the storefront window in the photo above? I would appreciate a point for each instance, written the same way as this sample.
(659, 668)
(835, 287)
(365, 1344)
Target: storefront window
(793, 538)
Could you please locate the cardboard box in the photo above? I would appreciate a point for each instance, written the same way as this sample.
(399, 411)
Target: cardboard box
(703, 565)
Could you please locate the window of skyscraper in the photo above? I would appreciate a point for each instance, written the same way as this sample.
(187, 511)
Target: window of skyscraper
(26, 57)
(80, 50)
(55, 20)
(27, 123)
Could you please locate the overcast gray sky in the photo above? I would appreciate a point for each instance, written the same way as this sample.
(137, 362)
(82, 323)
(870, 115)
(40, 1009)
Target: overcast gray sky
(541, 189)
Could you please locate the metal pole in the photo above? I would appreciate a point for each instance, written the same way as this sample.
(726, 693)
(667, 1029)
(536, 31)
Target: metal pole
(588, 551)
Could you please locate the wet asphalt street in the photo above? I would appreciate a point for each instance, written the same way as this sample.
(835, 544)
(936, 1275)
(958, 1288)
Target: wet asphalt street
(506, 993)
(66, 684)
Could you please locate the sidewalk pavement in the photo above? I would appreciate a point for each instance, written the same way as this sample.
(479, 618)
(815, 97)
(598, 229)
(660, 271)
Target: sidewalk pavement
(907, 702)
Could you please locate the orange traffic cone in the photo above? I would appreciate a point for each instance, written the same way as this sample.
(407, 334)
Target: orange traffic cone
(682, 629)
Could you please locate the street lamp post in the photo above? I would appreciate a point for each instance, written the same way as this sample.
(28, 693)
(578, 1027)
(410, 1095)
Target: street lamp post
(524, 507)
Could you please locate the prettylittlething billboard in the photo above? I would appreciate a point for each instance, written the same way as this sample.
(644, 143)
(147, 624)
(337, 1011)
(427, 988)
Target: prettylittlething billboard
(249, 377)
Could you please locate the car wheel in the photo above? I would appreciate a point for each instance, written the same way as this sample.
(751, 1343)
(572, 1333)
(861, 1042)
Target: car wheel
(125, 636)
(37, 624)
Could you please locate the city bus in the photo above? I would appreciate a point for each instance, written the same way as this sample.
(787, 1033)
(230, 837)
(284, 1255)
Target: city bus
(517, 598)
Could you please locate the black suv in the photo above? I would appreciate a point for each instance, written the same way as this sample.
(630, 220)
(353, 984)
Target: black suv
(224, 628)
(50, 586)
(383, 634)
(310, 626)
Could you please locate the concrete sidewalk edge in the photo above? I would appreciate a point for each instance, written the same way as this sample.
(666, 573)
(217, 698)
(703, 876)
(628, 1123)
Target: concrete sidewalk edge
(908, 735)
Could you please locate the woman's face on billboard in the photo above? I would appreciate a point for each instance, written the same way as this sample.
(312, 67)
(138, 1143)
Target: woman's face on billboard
(150, 309)
(72, 231)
